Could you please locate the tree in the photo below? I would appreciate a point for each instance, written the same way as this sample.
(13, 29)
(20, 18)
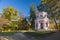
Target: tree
(25, 25)
(53, 9)
(21, 16)
(32, 15)
(9, 13)
(22, 22)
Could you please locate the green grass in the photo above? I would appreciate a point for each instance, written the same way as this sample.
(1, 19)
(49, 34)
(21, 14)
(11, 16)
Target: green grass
(7, 33)
(39, 33)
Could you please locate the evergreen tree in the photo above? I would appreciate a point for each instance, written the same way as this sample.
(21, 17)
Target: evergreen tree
(32, 15)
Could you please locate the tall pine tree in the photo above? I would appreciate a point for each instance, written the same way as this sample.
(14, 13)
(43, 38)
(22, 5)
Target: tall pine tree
(32, 15)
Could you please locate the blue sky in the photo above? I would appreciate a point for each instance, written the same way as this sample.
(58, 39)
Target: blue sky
(21, 5)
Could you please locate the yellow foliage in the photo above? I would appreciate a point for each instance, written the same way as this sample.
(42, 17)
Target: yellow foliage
(11, 10)
(51, 26)
(58, 25)
(11, 17)
(9, 30)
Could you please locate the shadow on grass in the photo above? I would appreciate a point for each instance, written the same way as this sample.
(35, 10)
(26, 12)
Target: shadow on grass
(38, 34)
(7, 33)
(28, 34)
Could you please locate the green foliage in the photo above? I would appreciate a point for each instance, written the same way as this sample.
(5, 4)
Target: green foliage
(50, 7)
(59, 26)
(32, 15)
(7, 33)
(5, 26)
(53, 9)
(24, 25)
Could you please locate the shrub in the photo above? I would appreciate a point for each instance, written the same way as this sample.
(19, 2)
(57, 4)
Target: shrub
(52, 26)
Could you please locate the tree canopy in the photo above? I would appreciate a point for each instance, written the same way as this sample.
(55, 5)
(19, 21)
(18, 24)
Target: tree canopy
(52, 7)
(9, 13)
(32, 15)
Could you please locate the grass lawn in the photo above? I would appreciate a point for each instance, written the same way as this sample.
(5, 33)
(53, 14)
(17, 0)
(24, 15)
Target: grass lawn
(37, 33)
(7, 33)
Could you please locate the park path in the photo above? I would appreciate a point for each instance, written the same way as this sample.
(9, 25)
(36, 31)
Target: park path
(23, 36)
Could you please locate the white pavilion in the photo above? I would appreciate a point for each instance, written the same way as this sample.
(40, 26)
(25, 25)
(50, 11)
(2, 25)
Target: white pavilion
(41, 21)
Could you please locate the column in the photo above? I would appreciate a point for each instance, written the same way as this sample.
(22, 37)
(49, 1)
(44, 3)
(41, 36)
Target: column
(35, 24)
(38, 26)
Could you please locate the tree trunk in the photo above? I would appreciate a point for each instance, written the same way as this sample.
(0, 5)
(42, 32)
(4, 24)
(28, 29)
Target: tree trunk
(56, 26)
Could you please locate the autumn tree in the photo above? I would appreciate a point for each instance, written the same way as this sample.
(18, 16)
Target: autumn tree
(22, 22)
(9, 13)
(53, 9)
